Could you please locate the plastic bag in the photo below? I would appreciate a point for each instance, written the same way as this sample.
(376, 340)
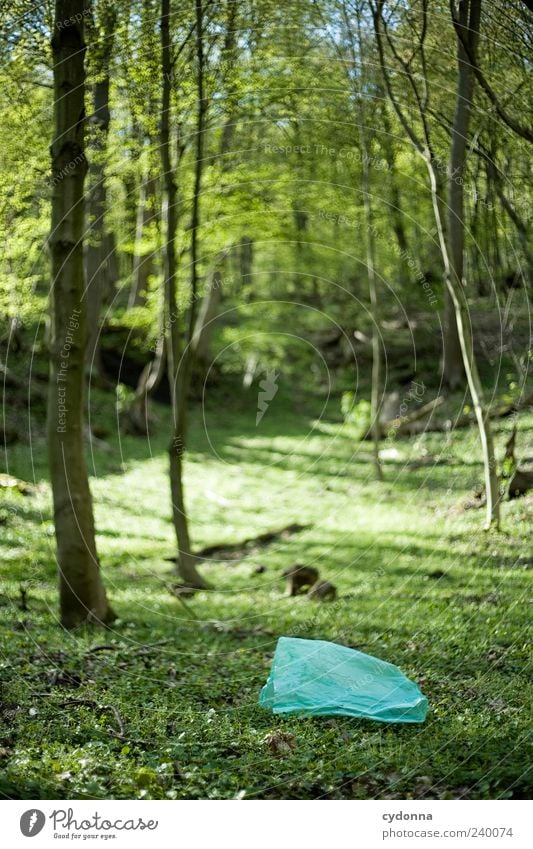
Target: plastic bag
(317, 678)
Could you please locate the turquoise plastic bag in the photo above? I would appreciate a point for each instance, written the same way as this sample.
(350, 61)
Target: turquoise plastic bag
(317, 678)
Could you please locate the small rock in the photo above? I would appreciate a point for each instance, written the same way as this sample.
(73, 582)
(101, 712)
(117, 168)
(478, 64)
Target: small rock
(280, 743)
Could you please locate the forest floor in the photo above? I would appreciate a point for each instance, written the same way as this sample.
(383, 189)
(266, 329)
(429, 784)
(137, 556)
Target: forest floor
(164, 705)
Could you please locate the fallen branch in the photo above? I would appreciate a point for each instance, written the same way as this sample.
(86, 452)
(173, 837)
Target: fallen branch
(241, 548)
(401, 422)
(114, 647)
(464, 420)
(96, 649)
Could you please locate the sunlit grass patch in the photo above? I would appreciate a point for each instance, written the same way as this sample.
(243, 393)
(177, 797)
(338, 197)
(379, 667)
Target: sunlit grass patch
(420, 585)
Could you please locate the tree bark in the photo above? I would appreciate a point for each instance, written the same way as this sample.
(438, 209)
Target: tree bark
(177, 359)
(82, 594)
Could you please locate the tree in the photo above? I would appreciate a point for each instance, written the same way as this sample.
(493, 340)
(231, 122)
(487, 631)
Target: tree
(422, 141)
(207, 315)
(144, 257)
(82, 594)
(359, 66)
(450, 229)
(469, 53)
(467, 22)
(178, 359)
(100, 249)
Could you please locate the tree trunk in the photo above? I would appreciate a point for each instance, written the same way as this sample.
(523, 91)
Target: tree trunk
(395, 208)
(452, 244)
(143, 259)
(82, 594)
(143, 267)
(469, 20)
(452, 356)
(451, 362)
(230, 57)
(150, 378)
(246, 257)
(177, 363)
(494, 181)
(100, 262)
(452, 369)
(205, 323)
(198, 174)
(375, 395)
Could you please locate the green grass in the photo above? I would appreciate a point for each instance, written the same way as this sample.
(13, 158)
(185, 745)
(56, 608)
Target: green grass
(420, 585)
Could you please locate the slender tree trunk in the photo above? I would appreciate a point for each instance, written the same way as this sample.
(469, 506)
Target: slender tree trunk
(144, 265)
(150, 378)
(205, 323)
(395, 209)
(199, 164)
(177, 362)
(298, 203)
(451, 244)
(82, 594)
(469, 21)
(452, 357)
(375, 395)
(246, 259)
(495, 187)
(230, 57)
(451, 362)
(478, 269)
(100, 263)
(143, 259)
(452, 368)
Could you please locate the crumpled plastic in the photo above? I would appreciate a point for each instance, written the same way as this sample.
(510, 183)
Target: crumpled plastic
(318, 678)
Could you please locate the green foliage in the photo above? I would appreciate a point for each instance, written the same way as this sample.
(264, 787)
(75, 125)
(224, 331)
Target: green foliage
(125, 396)
(356, 413)
(290, 179)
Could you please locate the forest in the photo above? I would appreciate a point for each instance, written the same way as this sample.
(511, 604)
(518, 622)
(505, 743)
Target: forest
(265, 354)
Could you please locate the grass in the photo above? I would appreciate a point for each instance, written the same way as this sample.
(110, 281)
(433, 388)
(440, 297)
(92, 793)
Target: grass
(420, 585)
